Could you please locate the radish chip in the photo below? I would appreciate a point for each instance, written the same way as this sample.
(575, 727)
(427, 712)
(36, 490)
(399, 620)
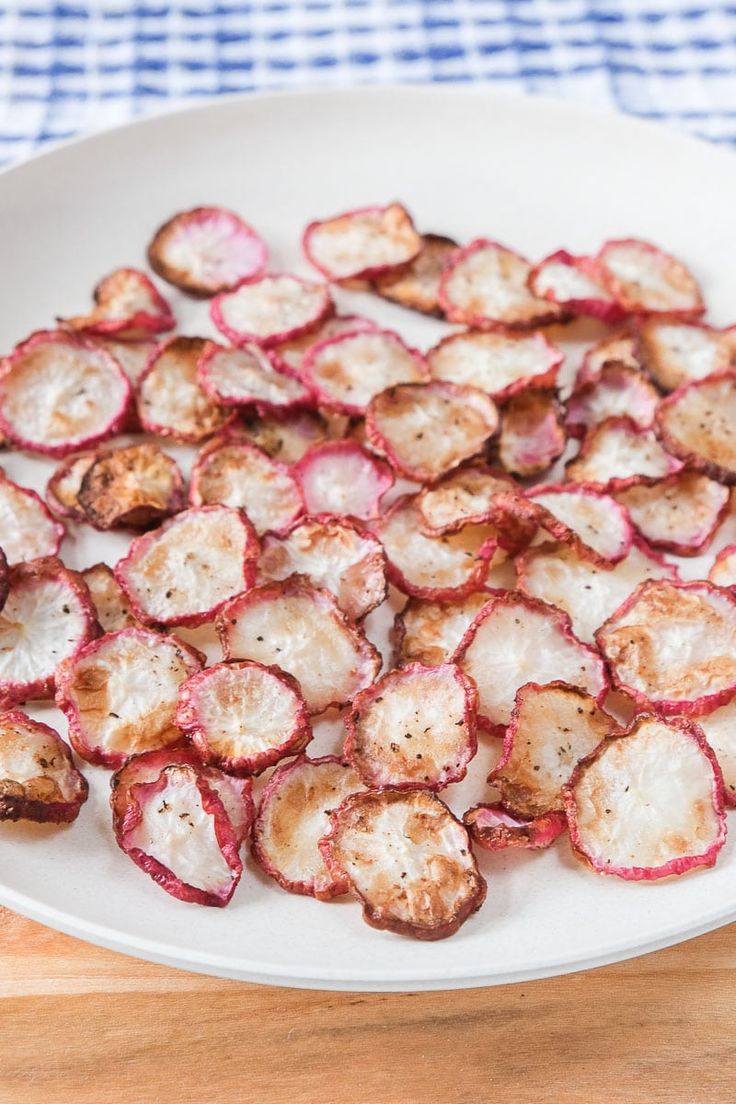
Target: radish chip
(645, 280)
(289, 355)
(240, 475)
(38, 779)
(111, 606)
(497, 363)
(696, 424)
(245, 376)
(206, 250)
(417, 286)
(27, 529)
(596, 525)
(271, 309)
(62, 488)
(494, 828)
(345, 372)
(532, 434)
(616, 453)
(618, 390)
(363, 243)
(464, 497)
(284, 436)
(619, 349)
(723, 571)
(677, 514)
(719, 728)
(131, 487)
(171, 402)
(428, 632)
(127, 307)
(341, 478)
(675, 353)
(573, 284)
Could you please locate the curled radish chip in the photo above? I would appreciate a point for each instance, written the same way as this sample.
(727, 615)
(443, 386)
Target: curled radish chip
(38, 779)
(414, 729)
(62, 488)
(532, 434)
(171, 402)
(428, 632)
(674, 353)
(110, 604)
(449, 566)
(572, 282)
(59, 393)
(497, 363)
(331, 553)
(426, 429)
(284, 436)
(131, 487)
(245, 375)
(289, 355)
(645, 280)
(240, 475)
(464, 497)
(588, 592)
(417, 286)
(341, 478)
(132, 356)
(127, 306)
(409, 861)
(617, 454)
(649, 803)
(720, 732)
(595, 524)
(47, 617)
(515, 640)
(363, 243)
(206, 250)
(494, 828)
(618, 390)
(723, 571)
(696, 424)
(303, 631)
(271, 309)
(345, 372)
(552, 728)
(27, 529)
(484, 286)
(678, 514)
(294, 815)
(184, 571)
(119, 694)
(619, 349)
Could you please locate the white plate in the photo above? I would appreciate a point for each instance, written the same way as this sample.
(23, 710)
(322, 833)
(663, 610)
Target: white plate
(529, 172)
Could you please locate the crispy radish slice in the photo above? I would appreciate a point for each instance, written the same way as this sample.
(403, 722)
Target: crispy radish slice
(111, 606)
(426, 429)
(723, 571)
(409, 861)
(619, 349)
(428, 632)
(618, 390)
(184, 571)
(648, 804)
(27, 529)
(696, 424)
(363, 243)
(48, 617)
(720, 732)
(245, 375)
(417, 286)
(617, 454)
(303, 631)
(206, 250)
(572, 283)
(58, 393)
(414, 729)
(514, 640)
(679, 352)
(494, 828)
(333, 553)
(271, 310)
(484, 286)
(131, 487)
(285, 436)
(596, 525)
(62, 488)
(243, 717)
(678, 514)
(132, 356)
(445, 567)
(127, 307)
(345, 372)
(171, 402)
(645, 280)
(467, 496)
(119, 694)
(294, 815)
(243, 476)
(498, 363)
(552, 728)
(532, 434)
(341, 478)
(38, 779)
(289, 355)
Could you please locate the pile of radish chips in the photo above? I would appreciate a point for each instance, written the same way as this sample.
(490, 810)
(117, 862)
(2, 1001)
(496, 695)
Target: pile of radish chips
(353, 575)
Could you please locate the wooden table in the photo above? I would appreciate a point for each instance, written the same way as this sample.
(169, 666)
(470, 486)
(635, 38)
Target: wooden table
(79, 1025)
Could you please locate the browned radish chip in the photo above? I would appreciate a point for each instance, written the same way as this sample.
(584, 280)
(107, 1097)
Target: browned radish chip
(131, 487)
(184, 571)
(271, 310)
(494, 828)
(341, 478)
(333, 553)
(303, 631)
(498, 363)
(588, 592)
(241, 475)
(243, 717)
(574, 284)
(206, 250)
(27, 529)
(417, 286)
(467, 496)
(63, 486)
(345, 372)
(514, 640)
(596, 525)
(119, 694)
(294, 815)
(696, 424)
(171, 402)
(645, 280)
(616, 453)
(449, 566)
(127, 307)
(59, 393)
(429, 632)
(111, 606)
(47, 617)
(649, 803)
(618, 349)
(723, 571)
(363, 243)
(414, 729)
(38, 779)
(484, 286)
(720, 732)
(284, 436)
(426, 429)
(409, 861)
(289, 355)
(246, 376)
(132, 356)
(677, 514)
(532, 434)
(674, 352)
(552, 728)
(617, 390)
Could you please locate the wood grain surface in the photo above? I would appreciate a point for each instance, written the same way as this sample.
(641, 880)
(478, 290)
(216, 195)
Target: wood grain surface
(79, 1025)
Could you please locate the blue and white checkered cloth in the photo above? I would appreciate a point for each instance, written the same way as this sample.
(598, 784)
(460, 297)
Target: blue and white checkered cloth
(67, 67)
